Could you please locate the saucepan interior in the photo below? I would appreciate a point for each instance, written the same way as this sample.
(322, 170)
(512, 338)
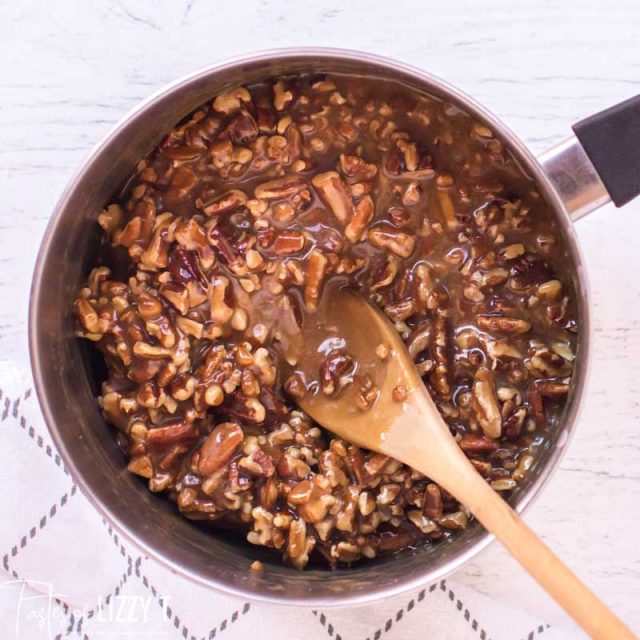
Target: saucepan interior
(64, 369)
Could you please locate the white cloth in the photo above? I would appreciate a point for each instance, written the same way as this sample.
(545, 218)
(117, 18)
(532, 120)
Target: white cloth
(68, 574)
(71, 69)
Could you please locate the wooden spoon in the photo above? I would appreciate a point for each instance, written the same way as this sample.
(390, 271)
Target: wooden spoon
(405, 424)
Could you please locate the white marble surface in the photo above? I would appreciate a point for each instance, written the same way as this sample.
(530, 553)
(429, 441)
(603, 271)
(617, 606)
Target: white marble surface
(70, 69)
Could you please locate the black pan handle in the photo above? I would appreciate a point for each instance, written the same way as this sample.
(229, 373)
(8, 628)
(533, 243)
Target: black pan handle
(611, 139)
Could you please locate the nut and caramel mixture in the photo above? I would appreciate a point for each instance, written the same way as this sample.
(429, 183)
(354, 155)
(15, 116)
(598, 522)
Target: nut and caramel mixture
(224, 241)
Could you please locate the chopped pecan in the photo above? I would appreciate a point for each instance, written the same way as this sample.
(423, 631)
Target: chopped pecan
(384, 236)
(232, 100)
(485, 403)
(401, 310)
(219, 446)
(334, 193)
(332, 372)
(224, 203)
(170, 433)
(439, 377)
(474, 444)
(242, 129)
(432, 502)
(288, 242)
(193, 237)
(282, 95)
(527, 271)
(141, 466)
(183, 182)
(257, 464)
(355, 167)
(503, 324)
(362, 216)
(314, 273)
(280, 188)
(512, 424)
(386, 274)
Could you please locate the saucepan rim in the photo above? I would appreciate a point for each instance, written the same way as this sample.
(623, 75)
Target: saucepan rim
(429, 82)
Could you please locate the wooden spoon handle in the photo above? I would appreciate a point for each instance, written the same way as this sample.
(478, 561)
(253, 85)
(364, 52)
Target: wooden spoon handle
(443, 461)
(544, 565)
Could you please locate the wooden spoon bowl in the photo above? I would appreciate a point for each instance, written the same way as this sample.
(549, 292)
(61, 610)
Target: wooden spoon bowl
(399, 419)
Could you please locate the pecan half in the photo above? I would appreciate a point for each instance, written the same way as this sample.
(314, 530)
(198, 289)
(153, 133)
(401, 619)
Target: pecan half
(219, 446)
(170, 433)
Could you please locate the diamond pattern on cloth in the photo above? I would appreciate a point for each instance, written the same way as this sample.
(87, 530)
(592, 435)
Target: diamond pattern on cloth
(68, 574)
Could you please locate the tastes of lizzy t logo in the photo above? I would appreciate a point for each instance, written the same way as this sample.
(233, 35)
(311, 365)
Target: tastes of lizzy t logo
(40, 614)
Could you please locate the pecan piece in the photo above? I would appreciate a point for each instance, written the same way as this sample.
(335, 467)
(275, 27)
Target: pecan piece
(334, 193)
(184, 268)
(177, 294)
(232, 100)
(229, 201)
(221, 153)
(539, 389)
(362, 216)
(332, 371)
(384, 236)
(439, 376)
(355, 167)
(552, 389)
(512, 424)
(141, 466)
(282, 96)
(170, 433)
(490, 278)
(111, 218)
(295, 386)
(288, 242)
(445, 182)
(385, 274)
(409, 151)
(280, 188)
(87, 316)
(485, 403)
(183, 182)
(269, 493)
(300, 544)
(401, 310)
(220, 311)
(527, 271)
(242, 129)
(395, 540)
(258, 464)
(549, 363)
(182, 153)
(503, 324)
(314, 272)
(474, 443)
(432, 502)
(550, 291)
(193, 237)
(219, 446)
(500, 349)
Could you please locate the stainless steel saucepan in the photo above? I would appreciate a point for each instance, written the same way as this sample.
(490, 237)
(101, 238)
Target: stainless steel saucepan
(605, 150)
